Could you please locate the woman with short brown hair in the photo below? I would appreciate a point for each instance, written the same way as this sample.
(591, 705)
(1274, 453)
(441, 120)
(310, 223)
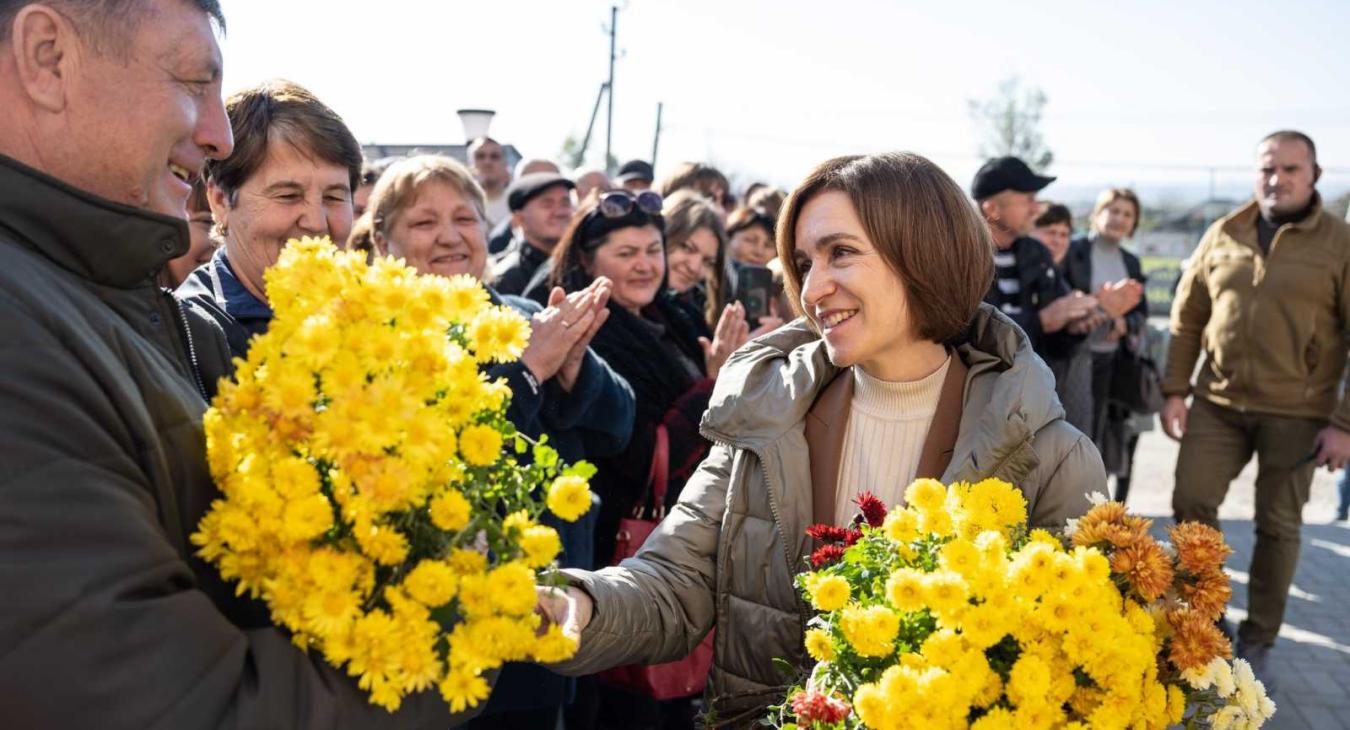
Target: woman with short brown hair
(897, 371)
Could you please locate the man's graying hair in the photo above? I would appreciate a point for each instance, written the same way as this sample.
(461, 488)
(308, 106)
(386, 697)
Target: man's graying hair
(106, 25)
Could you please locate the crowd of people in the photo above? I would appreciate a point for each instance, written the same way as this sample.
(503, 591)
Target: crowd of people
(740, 362)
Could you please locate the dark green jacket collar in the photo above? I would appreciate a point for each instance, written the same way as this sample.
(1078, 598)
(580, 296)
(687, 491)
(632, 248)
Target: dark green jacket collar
(96, 239)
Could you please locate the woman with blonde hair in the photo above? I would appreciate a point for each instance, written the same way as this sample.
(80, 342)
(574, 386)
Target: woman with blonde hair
(897, 371)
(1098, 264)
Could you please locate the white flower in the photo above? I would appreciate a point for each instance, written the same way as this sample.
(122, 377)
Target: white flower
(1097, 498)
(1223, 679)
(1200, 678)
(1266, 705)
(1070, 526)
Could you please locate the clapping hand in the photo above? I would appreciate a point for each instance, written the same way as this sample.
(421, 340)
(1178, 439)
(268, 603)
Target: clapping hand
(732, 332)
(564, 329)
(599, 291)
(1119, 297)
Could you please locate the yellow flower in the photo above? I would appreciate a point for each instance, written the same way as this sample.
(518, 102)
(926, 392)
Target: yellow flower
(540, 545)
(498, 334)
(1029, 680)
(871, 630)
(819, 645)
(462, 689)
(959, 556)
(512, 588)
(554, 646)
(432, 583)
(480, 445)
(330, 613)
(307, 518)
(569, 498)
(926, 495)
(945, 592)
(828, 592)
(904, 589)
(467, 562)
(901, 525)
(382, 543)
(450, 511)
(464, 297)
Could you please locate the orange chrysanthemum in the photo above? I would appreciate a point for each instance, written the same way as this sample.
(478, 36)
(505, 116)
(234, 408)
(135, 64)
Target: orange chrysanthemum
(1208, 593)
(1200, 548)
(1097, 534)
(1196, 640)
(1147, 567)
(1108, 512)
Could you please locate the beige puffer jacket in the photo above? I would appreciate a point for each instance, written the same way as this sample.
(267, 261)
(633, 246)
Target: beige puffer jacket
(728, 552)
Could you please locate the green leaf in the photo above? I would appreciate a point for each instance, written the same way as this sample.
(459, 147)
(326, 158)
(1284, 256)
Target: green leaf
(583, 469)
(545, 457)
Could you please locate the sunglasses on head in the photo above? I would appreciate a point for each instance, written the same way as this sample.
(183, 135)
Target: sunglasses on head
(619, 203)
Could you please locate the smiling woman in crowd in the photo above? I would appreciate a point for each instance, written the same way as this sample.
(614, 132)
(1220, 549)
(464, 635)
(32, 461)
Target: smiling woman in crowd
(292, 173)
(898, 371)
(696, 246)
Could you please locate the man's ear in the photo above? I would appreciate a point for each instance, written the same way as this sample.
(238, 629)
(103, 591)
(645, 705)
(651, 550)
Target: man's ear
(45, 46)
(1317, 173)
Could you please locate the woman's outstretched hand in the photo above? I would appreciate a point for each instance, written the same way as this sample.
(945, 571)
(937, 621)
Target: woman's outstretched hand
(568, 607)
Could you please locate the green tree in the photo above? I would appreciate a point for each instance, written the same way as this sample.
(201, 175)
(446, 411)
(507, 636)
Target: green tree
(1010, 122)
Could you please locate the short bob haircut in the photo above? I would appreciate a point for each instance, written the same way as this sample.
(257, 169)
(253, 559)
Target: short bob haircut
(1111, 195)
(397, 188)
(685, 212)
(921, 223)
(281, 111)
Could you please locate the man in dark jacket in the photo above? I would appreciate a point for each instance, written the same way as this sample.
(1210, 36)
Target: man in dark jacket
(109, 619)
(1026, 285)
(541, 209)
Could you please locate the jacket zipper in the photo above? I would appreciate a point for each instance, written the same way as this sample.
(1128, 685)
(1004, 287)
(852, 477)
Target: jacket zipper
(181, 318)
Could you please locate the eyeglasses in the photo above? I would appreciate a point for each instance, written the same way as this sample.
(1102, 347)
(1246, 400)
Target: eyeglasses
(619, 203)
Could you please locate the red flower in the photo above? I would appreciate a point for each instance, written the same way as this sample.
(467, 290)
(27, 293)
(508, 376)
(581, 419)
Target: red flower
(827, 533)
(852, 537)
(827, 554)
(813, 707)
(873, 509)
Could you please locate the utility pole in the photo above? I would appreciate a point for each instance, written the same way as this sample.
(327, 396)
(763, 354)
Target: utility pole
(656, 138)
(609, 119)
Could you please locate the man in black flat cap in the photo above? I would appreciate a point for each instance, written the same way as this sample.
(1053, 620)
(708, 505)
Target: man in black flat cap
(1026, 286)
(635, 176)
(541, 207)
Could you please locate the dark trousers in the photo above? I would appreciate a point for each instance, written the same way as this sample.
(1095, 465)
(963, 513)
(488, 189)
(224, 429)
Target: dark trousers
(1217, 444)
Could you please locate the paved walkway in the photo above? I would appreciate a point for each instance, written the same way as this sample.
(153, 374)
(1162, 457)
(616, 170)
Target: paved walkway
(1312, 657)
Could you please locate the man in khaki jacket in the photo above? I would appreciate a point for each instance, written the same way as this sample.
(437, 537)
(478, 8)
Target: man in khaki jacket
(1266, 298)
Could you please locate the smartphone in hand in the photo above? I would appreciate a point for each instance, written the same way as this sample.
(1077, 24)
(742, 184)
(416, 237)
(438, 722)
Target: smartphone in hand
(754, 288)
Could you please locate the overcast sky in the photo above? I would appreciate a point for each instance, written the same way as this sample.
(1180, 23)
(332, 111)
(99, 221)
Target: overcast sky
(1149, 93)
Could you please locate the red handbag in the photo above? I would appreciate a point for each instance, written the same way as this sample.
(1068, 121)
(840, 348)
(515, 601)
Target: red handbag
(682, 677)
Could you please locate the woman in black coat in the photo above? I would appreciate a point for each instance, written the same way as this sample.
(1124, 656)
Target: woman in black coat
(1097, 264)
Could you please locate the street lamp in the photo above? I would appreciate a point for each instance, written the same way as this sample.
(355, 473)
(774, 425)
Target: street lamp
(476, 122)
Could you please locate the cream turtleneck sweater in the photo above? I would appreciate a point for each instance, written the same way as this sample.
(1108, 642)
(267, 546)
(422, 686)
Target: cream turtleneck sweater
(887, 426)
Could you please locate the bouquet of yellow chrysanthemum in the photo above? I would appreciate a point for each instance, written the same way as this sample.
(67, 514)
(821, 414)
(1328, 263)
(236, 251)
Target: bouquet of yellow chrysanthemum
(374, 492)
(948, 613)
